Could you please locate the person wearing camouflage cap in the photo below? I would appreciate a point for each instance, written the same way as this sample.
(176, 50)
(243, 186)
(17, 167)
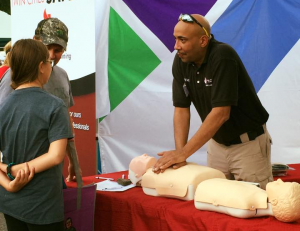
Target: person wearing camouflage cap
(54, 34)
(52, 31)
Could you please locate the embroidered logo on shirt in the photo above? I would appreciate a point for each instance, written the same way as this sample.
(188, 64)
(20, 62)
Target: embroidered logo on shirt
(208, 82)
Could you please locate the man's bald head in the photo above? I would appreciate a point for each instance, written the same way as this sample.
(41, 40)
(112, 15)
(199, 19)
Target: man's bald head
(203, 22)
(191, 39)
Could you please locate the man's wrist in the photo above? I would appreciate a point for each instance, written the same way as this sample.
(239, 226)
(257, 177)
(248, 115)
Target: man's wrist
(184, 153)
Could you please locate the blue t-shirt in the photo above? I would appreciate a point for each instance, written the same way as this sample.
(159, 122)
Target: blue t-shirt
(30, 119)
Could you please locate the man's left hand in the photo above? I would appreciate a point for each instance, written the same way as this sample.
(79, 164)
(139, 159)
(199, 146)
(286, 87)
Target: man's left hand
(168, 158)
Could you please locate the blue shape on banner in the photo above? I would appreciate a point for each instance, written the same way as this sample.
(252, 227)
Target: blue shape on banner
(262, 32)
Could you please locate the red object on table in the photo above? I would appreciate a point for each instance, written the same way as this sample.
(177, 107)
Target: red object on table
(133, 210)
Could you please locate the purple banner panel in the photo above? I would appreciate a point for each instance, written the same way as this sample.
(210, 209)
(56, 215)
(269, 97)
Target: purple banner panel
(165, 13)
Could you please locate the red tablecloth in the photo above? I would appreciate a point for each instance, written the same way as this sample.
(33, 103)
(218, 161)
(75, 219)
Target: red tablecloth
(133, 210)
(292, 175)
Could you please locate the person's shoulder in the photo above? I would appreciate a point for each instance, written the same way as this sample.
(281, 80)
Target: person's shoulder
(6, 75)
(3, 69)
(56, 99)
(52, 99)
(221, 47)
(59, 69)
(222, 50)
(5, 88)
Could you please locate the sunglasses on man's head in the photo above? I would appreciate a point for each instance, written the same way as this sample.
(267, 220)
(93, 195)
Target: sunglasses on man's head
(190, 18)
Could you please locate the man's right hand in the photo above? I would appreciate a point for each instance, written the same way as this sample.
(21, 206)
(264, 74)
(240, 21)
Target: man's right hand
(178, 165)
(168, 158)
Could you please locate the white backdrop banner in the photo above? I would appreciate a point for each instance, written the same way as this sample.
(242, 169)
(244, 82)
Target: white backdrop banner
(78, 61)
(78, 15)
(136, 110)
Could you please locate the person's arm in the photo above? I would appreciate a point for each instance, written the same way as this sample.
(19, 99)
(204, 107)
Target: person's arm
(22, 178)
(71, 167)
(212, 123)
(5, 88)
(53, 157)
(181, 122)
(71, 170)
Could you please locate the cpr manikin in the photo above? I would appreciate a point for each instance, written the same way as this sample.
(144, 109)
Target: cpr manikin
(138, 167)
(243, 200)
(178, 183)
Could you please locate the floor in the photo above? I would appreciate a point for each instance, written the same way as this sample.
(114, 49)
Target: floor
(2, 223)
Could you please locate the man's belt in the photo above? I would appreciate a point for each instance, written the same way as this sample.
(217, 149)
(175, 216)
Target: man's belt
(251, 136)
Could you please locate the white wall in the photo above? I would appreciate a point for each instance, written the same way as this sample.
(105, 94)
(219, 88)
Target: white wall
(5, 25)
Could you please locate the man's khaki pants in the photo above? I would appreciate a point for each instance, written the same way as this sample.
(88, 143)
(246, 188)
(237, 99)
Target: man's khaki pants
(249, 161)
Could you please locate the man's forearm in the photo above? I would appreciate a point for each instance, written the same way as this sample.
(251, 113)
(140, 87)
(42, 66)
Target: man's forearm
(215, 119)
(181, 122)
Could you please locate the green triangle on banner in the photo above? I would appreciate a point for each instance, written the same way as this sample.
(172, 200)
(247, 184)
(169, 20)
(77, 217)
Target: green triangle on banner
(130, 60)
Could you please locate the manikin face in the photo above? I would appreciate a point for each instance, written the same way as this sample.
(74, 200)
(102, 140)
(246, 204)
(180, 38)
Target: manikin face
(144, 158)
(188, 42)
(140, 164)
(55, 52)
(285, 200)
(277, 188)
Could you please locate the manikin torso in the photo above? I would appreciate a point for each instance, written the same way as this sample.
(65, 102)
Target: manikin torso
(235, 198)
(176, 183)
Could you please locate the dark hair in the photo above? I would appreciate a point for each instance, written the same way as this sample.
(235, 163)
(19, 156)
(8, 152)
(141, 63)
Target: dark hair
(7, 47)
(26, 55)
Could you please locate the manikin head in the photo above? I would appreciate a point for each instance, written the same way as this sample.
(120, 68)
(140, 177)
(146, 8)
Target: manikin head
(138, 166)
(285, 200)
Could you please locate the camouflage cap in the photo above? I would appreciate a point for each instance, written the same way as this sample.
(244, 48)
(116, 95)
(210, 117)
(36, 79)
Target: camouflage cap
(52, 31)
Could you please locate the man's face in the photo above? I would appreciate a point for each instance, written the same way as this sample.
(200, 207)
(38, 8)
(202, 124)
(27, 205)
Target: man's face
(55, 52)
(188, 42)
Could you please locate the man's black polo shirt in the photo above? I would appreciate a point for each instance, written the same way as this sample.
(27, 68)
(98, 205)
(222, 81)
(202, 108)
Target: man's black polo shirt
(221, 80)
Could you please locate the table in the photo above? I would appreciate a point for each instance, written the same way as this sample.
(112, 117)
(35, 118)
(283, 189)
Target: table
(292, 175)
(134, 210)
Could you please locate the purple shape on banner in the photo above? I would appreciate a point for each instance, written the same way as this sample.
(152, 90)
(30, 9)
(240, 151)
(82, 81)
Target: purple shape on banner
(165, 13)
